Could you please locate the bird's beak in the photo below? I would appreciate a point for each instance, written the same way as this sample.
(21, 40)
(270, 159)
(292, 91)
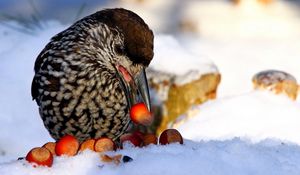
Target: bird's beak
(142, 84)
(136, 88)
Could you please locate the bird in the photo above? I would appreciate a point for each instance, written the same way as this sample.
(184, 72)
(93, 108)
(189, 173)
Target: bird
(88, 76)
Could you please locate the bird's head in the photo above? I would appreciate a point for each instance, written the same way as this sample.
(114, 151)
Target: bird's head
(133, 51)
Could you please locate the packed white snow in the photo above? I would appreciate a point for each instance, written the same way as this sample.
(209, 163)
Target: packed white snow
(254, 116)
(170, 57)
(213, 157)
(21, 127)
(244, 132)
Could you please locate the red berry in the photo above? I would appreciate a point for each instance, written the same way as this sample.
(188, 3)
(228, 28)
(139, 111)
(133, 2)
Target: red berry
(170, 136)
(104, 144)
(67, 145)
(149, 139)
(138, 134)
(140, 114)
(51, 147)
(132, 138)
(41, 156)
(88, 144)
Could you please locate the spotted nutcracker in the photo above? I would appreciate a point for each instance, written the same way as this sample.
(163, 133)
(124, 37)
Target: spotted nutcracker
(88, 76)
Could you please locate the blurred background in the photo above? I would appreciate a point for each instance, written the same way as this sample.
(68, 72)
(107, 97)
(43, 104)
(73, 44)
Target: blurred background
(207, 18)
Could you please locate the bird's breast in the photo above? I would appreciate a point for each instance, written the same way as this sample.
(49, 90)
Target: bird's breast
(89, 102)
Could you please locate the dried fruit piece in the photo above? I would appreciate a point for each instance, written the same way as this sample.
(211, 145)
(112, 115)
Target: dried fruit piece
(115, 159)
(276, 81)
(21, 158)
(67, 145)
(104, 144)
(51, 147)
(170, 136)
(88, 144)
(127, 159)
(40, 156)
(140, 114)
(149, 139)
(131, 138)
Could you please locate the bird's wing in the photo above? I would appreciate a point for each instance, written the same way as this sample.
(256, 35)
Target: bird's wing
(38, 63)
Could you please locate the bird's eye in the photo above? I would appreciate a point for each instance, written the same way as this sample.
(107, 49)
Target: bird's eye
(119, 49)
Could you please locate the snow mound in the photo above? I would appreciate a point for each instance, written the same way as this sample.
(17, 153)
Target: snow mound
(20, 125)
(233, 157)
(171, 57)
(256, 115)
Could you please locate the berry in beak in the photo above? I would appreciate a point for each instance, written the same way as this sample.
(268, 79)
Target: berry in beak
(136, 88)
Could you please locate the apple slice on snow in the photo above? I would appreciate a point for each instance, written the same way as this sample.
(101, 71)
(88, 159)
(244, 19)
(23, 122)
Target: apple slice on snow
(104, 144)
(67, 145)
(132, 138)
(88, 144)
(149, 139)
(170, 136)
(40, 156)
(51, 147)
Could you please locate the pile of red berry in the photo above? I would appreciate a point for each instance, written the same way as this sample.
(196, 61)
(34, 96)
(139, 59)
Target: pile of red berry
(70, 146)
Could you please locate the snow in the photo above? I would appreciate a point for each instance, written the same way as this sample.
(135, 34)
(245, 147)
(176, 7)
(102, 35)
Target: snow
(254, 116)
(241, 132)
(249, 38)
(213, 157)
(170, 57)
(20, 122)
(239, 60)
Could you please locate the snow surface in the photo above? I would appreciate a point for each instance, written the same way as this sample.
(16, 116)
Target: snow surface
(21, 126)
(254, 116)
(170, 57)
(195, 158)
(241, 132)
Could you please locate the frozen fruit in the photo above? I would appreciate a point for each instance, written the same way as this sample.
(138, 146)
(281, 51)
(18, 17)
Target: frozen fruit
(115, 159)
(67, 145)
(104, 144)
(88, 144)
(138, 134)
(149, 139)
(51, 147)
(170, 136)
(131, 138)
(140, 114)
(40, 156)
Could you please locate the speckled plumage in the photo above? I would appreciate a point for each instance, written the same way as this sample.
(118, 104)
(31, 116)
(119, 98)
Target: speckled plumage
(75, 83)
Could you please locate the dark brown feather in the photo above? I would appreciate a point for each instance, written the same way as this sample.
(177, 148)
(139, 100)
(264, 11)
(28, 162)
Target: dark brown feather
(138, 36)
